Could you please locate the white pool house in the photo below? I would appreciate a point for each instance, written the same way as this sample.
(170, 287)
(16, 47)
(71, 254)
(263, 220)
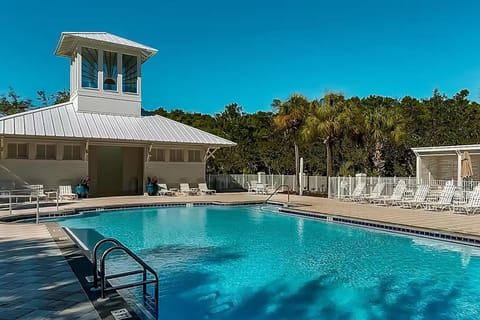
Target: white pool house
(100, 133)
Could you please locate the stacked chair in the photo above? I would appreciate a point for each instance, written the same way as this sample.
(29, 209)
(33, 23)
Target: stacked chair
(472, 205)
(418, 199)
(444, 200)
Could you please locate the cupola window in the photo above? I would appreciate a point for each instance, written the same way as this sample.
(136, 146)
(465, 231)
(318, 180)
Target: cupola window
(110, 70)
(129, 73)
(89, 68)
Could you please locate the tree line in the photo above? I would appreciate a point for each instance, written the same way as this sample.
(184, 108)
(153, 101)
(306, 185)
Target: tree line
(334, 134)
(12, 102)
(337, 135)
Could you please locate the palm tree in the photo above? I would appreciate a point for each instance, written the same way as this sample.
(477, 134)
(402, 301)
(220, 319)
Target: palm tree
(382, 124)
(328, 119)
(290, 117)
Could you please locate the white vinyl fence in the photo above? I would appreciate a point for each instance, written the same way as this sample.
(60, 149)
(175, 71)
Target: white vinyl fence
(240, 182)
(340, 187)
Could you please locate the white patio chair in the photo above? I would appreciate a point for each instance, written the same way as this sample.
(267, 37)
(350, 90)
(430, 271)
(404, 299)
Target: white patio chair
(396, 196)
(186, 190)
(65, 192)
(472, 205)
(252, 186)
(36, 190)
(444, 200)
(164, 191)
(356, 193)
(418, 199)
(260, 188)
(202, 187)
(376, 192)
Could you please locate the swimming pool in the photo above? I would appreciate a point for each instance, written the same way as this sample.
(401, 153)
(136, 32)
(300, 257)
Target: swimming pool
(250, 262)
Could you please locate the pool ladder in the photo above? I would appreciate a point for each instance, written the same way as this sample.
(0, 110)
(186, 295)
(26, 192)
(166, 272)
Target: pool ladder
(276, 190)
(150, 303)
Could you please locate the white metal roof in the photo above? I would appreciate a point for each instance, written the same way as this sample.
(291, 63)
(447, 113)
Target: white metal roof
(447, 149)
(69, 40)
(62, 121)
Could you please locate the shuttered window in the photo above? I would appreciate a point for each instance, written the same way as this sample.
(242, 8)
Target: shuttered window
(176, 155)
(46, 152)
(194, 156)
(157, 155)
(17, 151)
(71, 152)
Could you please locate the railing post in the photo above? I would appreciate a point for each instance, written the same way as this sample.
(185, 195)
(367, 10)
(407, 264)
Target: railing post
(329, 189)
(156, 299)
(144, 287)
(38, 208)
(10, 202)
(338, 187)
(350, 178)
(102, 278)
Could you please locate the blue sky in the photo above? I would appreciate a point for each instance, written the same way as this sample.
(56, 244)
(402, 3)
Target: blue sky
(214, 52)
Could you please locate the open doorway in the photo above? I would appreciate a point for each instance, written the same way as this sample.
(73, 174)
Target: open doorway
(115, 171)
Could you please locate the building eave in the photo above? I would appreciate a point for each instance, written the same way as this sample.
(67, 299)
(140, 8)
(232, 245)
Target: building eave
(63, 122)
(69, 41)
(453, 150)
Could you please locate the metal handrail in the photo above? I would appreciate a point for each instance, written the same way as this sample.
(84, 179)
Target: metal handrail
(104, 277)
(94, 257)
(27, 193)
(276, 190)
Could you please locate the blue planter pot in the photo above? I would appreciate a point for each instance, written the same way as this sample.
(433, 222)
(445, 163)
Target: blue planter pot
(81, 191)
(152, 189)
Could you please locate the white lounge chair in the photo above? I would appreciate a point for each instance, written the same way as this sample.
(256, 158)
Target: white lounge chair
(164, 191)
(202, 187)
(36, 190)
(65, 192)
(418, 198)
(260, 188)
(444, 200)
(472, 205)
(396, 196)
(186, 190)
(376, 192)
(252, 186)
(357, 192)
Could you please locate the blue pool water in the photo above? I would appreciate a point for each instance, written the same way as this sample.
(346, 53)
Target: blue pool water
(251, 263)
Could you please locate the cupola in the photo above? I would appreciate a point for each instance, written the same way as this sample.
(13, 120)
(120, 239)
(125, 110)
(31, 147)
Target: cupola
(105, 71)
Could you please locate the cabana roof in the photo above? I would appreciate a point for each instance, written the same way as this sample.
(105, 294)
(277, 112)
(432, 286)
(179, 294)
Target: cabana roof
(445, 162)
(63, 121)
(447, 150)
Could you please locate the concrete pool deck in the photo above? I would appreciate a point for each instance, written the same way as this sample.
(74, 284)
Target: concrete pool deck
(38, 282)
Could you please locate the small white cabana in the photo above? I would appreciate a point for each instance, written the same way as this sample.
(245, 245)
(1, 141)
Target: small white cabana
(445, 163)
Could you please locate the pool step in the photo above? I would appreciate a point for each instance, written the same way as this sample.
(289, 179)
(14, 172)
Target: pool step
(149, 303)
(209, 296)
(217, 304)
(220, 308)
